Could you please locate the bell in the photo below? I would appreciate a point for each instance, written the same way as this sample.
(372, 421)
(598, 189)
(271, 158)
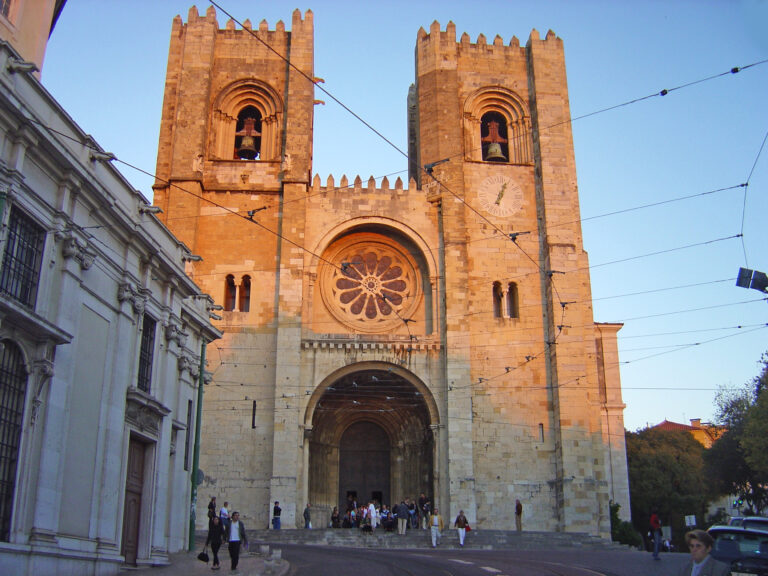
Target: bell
(247, 148)
(494, 152)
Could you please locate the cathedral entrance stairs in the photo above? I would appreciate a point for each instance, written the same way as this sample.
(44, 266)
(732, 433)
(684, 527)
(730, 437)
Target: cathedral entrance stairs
(417, 539)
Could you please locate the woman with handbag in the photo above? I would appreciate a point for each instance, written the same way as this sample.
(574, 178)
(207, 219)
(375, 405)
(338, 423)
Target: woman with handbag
(215, 538)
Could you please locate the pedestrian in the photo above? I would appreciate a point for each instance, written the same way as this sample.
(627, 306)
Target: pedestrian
(276, 511)
(426, 512)
(211, 510)
(335, 518)
(216, 535)
(436, 527)
(402, 517)
(701, 563)
(420, 510)
(518, 516)
(224, 515)
(307, 518)
(236, 537)
(655, 522)
(461, 525)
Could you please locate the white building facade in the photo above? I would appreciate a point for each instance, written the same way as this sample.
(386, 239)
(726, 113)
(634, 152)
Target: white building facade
(101, 334)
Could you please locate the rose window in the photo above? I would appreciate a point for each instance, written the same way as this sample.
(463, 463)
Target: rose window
(371, 286)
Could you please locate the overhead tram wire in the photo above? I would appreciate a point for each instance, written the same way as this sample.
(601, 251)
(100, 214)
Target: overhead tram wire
(662, 93)
(744, 205)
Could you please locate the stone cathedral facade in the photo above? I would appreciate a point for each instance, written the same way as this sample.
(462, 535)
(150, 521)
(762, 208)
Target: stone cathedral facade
(381, 340)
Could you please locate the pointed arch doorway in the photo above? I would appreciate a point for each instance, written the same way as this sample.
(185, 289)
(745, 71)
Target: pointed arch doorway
(371, 437)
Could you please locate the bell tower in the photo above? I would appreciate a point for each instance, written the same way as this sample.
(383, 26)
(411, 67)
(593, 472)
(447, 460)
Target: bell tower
(237, 118)
(234, 158)
(492, 129)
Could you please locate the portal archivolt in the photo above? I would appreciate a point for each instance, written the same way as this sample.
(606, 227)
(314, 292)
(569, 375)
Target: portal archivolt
(371, 436)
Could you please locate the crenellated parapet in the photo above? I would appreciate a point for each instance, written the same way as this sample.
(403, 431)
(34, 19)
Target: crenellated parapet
(194, 17)
(357, 185)
(446, 38)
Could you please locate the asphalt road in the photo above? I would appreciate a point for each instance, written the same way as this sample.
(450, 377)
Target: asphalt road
(330, 561)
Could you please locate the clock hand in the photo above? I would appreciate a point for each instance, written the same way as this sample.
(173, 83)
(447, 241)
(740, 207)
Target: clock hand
(501, 193)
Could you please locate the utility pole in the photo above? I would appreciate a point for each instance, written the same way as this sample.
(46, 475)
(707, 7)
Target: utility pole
(196, 450)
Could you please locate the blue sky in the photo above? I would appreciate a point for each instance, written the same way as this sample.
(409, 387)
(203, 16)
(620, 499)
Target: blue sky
(106, 65)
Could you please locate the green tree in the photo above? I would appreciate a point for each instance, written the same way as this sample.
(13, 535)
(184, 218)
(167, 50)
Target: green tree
(737, 463)
(666, 474)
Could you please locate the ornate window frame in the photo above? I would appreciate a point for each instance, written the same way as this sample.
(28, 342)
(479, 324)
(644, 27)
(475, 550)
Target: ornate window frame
(226, 108)
(514, 110)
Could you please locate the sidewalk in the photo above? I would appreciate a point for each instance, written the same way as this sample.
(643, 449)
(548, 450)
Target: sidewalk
(257, 561)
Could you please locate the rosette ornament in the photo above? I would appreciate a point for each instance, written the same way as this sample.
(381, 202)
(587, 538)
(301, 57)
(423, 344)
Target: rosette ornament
(371, 285)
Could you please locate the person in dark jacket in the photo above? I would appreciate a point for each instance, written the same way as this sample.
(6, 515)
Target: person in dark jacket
(276, 511)
(236, 537)
(215, 538)
(701, 563)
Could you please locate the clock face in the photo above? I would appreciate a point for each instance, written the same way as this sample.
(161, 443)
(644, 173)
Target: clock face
(500, 196)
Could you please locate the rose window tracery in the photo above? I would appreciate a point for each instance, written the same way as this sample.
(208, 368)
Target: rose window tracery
(372, 286)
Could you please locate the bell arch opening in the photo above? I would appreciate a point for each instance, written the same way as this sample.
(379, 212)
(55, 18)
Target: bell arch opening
(371, 438)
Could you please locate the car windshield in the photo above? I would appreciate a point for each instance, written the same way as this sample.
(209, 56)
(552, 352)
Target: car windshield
(756, 523)
(731, 544)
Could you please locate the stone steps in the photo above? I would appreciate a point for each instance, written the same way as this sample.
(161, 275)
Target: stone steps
(476, 539)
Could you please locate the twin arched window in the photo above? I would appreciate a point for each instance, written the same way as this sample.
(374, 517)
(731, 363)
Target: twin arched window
(237, 297)
(506, 303)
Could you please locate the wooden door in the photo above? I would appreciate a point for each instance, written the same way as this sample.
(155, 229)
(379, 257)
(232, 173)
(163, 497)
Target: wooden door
(134, 487)
(364, 463)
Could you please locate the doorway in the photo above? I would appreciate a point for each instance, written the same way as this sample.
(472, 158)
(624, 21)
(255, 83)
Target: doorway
(364, 463)
(134, 487)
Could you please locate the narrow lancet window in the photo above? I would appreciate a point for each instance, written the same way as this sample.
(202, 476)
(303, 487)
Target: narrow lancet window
(497, 300)
(245, 294)
(230, 292)
(513, 307)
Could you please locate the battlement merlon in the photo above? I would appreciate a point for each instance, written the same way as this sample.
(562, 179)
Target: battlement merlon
(297, 22)
(357, 185)
(447, 38)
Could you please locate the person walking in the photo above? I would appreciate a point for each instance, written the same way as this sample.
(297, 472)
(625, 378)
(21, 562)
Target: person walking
(237, 538)
(518, 516)
(224, 515)
(211, 510)
(276, 511)
(307, 518)
(656, 534)
(461, 526)
(402, 517)
(436, 527)
(216, 535)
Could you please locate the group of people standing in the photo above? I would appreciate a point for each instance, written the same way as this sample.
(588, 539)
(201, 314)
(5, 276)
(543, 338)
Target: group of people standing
(224, 527)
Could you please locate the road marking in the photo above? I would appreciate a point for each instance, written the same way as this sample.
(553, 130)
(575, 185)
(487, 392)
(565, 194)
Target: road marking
(490, 569)
(461, 561)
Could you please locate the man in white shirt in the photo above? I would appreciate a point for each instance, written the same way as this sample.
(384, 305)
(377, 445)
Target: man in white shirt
(236, 536)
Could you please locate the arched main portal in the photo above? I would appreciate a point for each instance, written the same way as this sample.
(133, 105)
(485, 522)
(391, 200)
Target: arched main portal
(371, 437)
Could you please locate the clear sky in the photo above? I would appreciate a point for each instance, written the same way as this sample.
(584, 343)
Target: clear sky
(680, 308)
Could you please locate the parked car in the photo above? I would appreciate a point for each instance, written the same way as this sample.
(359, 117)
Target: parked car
(744, 549)
(735, 520)
(755, 522)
